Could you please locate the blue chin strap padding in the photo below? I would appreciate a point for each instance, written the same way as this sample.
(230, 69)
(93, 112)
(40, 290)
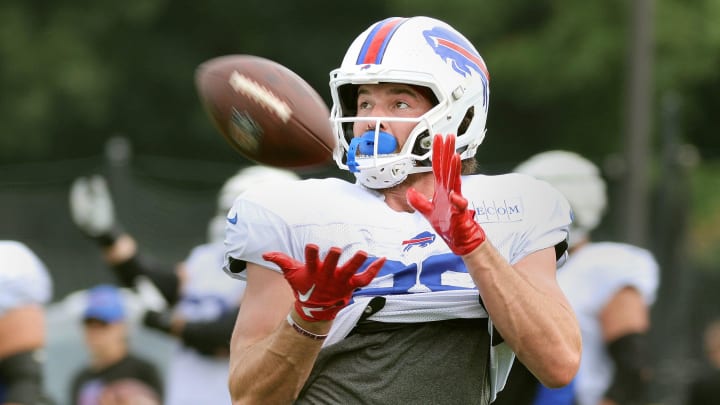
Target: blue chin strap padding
(366, 145)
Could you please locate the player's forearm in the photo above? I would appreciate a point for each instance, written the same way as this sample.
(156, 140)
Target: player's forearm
(122, 249)
(22, 329)
(541, 331)
(128, 264)
(274, 369)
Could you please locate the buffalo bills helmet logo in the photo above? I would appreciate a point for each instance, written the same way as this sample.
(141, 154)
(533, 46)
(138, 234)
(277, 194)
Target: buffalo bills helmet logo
(453, 48)
(422, 239)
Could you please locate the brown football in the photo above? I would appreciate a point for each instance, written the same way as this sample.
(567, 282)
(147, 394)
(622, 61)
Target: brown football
(266, 111)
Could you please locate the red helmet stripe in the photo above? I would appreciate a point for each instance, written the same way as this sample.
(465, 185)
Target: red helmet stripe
(375, 44)
(473, 57)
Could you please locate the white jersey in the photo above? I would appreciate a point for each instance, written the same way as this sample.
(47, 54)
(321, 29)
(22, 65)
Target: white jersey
(207, 294)
(24, 279)
(422, 279)
(590, 278)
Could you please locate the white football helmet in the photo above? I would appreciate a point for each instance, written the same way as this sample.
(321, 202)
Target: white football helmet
(235, 185)
(579, 180)
(419, 51)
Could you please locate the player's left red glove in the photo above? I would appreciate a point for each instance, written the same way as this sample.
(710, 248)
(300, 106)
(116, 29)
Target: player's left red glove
(447, 211)
(322, 288)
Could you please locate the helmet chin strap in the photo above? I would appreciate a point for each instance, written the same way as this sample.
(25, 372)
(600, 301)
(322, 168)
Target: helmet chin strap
(369, 144)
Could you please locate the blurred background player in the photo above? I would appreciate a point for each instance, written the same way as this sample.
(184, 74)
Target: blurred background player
(705, 387)
(611, 287)
(25, 287)
(129, 392)
(106, 339)
(201, 304)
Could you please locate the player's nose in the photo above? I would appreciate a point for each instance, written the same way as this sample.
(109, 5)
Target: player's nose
(371, 126)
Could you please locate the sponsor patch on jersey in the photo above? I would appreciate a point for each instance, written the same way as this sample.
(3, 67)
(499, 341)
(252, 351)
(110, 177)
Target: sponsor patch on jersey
(509, 210)
(422, 240)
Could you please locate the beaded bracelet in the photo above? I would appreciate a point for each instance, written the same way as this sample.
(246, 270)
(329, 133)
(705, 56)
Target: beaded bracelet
(299, 329)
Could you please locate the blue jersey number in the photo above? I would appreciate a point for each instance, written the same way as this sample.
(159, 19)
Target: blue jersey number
(401, 278)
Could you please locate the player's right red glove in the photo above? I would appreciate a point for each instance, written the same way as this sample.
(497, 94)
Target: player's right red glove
(448, 210)
(322, 288)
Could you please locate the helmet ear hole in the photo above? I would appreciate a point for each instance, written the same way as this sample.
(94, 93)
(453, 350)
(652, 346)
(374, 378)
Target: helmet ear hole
(423, 144)
(465, 124)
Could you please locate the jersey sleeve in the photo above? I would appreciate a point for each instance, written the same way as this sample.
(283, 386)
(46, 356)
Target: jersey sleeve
(548, 217)
(631, 267)
(24, 278)
(252, 230)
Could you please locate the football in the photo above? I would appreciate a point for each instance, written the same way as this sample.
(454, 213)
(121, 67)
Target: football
(266, 111)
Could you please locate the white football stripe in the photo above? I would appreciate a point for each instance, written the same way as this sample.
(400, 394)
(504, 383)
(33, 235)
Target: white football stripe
(261, 95)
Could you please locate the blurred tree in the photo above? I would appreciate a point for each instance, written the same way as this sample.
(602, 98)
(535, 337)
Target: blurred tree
(558, 69)
(75, 73)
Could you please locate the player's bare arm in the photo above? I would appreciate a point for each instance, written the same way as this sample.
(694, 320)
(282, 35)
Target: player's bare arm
(530, 311)
(269, 360)
(22, 329)
(625, 313)
(624, 321)
(525, 302)
(282, 347)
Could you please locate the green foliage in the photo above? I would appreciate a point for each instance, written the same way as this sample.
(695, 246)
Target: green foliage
(705, 220)
(75, 73)
(688, 40)
(557, 71)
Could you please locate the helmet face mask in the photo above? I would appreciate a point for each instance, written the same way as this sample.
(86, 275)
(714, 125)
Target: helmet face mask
(420, 52)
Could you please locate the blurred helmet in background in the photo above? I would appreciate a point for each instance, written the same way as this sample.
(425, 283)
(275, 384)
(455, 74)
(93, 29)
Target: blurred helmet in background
(241, 181)
(579, 180)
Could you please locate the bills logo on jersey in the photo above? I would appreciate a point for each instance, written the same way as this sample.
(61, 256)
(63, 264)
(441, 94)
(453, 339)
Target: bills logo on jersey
(422, 239)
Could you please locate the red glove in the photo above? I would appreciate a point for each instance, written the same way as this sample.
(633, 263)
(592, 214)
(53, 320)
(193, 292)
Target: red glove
(447, 212)
(322, 288)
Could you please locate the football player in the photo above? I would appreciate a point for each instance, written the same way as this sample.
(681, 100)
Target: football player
(416, 283)
(610, 285)
(203, 304)
(111, 358)
(25, 287)
(704, 386)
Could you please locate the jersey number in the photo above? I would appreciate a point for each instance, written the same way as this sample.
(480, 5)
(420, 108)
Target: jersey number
(436, 273)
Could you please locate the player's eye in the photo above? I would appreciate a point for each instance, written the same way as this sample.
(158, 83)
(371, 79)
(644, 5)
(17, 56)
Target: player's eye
(401, 105)
(363, 105)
